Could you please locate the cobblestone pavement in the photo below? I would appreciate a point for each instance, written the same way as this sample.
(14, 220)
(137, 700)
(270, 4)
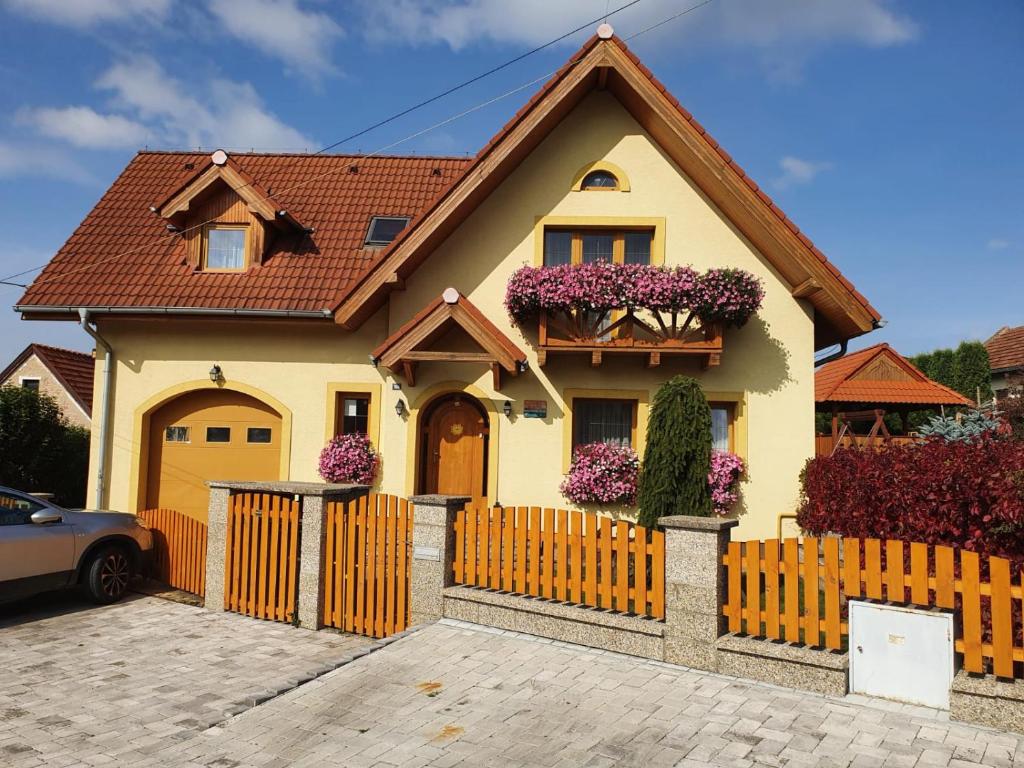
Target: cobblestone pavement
(87, 685)
(454, 694)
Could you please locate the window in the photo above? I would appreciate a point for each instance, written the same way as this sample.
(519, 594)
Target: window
(15, 510)
(604, 180)
(603, 421)
(218, 434)
(176, 434)
(258, 435)
(225, 248)
(32, 384)
(384, 229)
(589, 246)
(723, 416)
(353, 414)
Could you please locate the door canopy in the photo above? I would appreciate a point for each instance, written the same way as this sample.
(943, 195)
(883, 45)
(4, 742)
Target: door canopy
(422, 339)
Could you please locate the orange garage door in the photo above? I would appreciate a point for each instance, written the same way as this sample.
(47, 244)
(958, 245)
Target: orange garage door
(209, 435)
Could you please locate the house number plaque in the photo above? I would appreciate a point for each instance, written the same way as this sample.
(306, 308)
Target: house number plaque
(535, 409)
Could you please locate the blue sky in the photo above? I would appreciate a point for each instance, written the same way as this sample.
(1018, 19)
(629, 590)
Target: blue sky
(889, 131)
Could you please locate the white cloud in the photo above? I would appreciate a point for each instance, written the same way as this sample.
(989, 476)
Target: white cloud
(19, 160)
(86, 13)
(280, 28)
(796, 171)
(998, 244)
(220, 113)
(776, 28)
(85, 127)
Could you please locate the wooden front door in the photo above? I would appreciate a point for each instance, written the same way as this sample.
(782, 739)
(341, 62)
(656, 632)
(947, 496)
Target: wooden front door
(455, 443)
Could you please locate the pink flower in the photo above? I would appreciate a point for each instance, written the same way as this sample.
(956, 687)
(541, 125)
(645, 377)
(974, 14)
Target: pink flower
(602, 473)
(349, 459)
(726, 469)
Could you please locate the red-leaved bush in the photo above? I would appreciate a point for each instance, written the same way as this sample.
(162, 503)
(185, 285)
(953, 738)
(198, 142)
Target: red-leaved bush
(961, 494)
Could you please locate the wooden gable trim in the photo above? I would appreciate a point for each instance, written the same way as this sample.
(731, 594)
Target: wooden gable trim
(401, 351)
(846, 313)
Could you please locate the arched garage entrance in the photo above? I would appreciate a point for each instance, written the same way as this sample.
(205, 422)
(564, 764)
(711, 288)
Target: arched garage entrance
(209, 434)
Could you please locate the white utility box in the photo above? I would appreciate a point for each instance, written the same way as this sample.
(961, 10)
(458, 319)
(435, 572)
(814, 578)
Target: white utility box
(901, 653)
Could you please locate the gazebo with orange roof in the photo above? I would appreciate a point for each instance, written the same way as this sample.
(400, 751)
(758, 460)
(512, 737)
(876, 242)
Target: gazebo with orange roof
(866, 385)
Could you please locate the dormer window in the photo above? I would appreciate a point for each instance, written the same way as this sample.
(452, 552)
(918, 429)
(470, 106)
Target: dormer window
(225, 248)
(602, 180)
(384, 229)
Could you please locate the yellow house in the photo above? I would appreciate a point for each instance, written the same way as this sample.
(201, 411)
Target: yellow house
(249, 307)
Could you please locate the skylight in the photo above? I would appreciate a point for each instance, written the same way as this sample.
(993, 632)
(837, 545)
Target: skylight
(384, 229)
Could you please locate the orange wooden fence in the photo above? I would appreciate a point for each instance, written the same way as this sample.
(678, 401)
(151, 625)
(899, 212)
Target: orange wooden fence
(366, 565)
(179, 549)
(571, 556)
(261, 564)
(796, 590)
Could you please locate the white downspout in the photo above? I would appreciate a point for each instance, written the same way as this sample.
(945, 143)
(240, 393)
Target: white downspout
(108, 374)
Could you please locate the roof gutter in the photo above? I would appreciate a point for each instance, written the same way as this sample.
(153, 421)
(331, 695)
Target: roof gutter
(40, 309)
(108, 376)
(835, 355)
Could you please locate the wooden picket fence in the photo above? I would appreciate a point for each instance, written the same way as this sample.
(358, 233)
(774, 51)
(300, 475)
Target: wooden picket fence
(179, 549)
(797, 589)
(262, 559)
(571, 556)
(366, 565)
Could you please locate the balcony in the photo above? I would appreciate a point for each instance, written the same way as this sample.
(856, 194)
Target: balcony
(652, 335)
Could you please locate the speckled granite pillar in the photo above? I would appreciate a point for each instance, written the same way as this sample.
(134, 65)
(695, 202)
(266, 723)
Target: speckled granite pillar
(433, 546)
(310, 600)
(216, 543)
(694, 588)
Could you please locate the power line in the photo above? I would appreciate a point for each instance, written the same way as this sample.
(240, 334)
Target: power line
(378, 151)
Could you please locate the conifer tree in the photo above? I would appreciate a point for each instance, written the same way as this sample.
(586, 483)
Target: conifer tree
(677, 460)
(971, 373)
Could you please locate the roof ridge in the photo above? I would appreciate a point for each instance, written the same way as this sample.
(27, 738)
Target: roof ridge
(361, 156)
(61, 349)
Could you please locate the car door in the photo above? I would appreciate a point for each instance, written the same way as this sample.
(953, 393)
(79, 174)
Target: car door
(33, 556)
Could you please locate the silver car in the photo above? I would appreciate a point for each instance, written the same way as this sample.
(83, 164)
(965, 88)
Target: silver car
(44, 547)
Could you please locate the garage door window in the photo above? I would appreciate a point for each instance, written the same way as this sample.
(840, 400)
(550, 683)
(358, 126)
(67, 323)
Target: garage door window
(258, 435)
(176, 435)
(218, 434)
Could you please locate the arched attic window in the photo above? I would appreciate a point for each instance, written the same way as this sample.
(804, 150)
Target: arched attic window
(600, 180)
(600, 176)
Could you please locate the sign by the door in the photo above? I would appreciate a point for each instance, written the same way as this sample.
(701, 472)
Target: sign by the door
(535, 409)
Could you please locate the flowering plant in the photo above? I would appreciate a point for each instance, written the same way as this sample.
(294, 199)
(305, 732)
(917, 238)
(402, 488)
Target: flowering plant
(728, 296)
(602, 473)
(349, 459)
(723, 478)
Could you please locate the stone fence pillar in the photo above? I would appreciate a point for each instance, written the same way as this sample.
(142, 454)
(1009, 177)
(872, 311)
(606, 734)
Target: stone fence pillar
(695, 588)
(312, 498)
(433, 552)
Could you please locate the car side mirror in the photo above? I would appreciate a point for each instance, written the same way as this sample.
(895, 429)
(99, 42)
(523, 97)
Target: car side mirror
(44, 516)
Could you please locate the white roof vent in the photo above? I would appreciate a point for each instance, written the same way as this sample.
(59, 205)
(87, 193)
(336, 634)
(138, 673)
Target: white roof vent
(605, 31)
(219, 157)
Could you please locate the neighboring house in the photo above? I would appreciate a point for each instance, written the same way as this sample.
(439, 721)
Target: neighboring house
(305, 296)
(63, 374)
(859, 389)
(1006, 359)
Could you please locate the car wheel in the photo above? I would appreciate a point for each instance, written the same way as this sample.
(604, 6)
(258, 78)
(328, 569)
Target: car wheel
(108, 574)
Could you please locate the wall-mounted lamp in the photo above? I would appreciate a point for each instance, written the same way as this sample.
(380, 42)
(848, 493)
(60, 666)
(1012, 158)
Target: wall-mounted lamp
(216, 374)
(400, 408)
(507, 409)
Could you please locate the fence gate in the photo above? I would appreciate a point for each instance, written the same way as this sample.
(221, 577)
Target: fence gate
(262, 561)
(179, 549)
(366, 565)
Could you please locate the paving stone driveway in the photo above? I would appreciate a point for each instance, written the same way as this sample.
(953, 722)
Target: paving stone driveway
(451, 694)
(87, 685)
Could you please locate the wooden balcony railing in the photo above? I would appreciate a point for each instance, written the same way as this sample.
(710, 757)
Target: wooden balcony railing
(624, 331)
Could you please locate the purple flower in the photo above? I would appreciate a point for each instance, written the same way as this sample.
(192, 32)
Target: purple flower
(726, 469)
(349, 459)
(602, 473)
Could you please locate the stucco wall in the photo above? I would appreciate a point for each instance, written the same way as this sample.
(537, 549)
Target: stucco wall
(32, 368)
(768, 365)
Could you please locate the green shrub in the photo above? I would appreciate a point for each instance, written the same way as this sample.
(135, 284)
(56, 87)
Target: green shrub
(677, 460)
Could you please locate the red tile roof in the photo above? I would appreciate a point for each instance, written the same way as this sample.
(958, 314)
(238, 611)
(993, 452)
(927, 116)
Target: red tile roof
(122, 256)
(73, 370)
(1006, 349)
(834, 382)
